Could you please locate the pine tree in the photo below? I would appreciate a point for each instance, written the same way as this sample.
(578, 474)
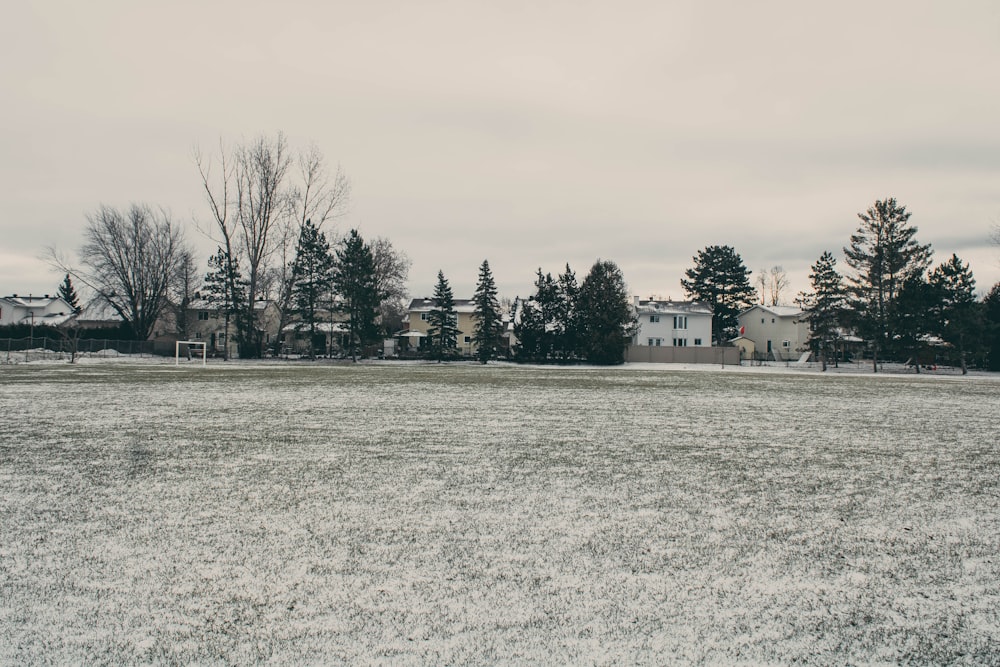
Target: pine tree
(443, 330)
(357, 284)
(529, 329)
(488, 332)
(606, 316)
(956, 314)
(68, 293)
(312, 278)
(883, 254)
(990, 309)
(225, 290)
(568, 333)
(911, 314)
(720, 279)
(824, 306)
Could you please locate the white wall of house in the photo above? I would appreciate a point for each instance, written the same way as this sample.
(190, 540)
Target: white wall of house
(37, 310)
(673, 323)
(779, 332)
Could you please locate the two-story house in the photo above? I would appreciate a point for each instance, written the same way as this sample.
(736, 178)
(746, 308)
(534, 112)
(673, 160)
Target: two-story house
(673, 323)
(35, 311)
(778, 333)
(417, 318)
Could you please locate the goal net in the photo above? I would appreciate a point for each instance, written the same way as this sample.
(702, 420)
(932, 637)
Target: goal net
(190, 349)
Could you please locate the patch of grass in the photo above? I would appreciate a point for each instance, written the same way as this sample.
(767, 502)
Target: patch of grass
(461, 514)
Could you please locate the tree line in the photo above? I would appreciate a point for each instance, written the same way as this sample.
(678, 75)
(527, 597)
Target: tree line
(891, 297)
(267, 207)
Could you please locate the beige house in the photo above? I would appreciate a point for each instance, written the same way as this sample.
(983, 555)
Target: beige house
(209, 325)
(417, 319)
(778, 333)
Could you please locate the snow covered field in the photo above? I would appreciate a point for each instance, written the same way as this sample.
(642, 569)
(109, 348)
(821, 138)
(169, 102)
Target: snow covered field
(425, 514)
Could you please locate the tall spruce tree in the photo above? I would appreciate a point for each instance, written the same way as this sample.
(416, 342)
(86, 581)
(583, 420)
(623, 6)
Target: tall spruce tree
(990, 337)
(956, 314)
(357, 284)
(312, 279)
(443, 320)
(607, 319)
(824, 307)
(720, 279)
(68, 292)
(488, 331)
(225, 291)
(913, 321)
(883, 254)
(529, 329)
(567, 342)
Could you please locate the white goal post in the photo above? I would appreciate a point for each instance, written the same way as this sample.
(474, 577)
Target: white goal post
(190, 344)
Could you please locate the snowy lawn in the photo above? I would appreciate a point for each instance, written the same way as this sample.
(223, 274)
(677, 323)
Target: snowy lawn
(425, 514)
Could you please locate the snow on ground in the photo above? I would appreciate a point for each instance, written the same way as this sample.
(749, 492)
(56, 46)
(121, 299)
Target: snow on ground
(427, 514)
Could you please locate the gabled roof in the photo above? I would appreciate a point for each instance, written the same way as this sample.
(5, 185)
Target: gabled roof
(427, 305)
(656, 307)
(37, 302)
(777, 311)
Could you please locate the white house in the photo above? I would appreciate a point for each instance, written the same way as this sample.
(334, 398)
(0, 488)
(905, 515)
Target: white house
(779, 333)
(35, 310)
(673, 323)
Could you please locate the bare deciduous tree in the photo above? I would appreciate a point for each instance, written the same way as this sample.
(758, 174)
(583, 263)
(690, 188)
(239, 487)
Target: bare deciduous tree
(257, 214)
(392, 269)
(131, 259)
(319, 196)
(248, 201)
(777, 281)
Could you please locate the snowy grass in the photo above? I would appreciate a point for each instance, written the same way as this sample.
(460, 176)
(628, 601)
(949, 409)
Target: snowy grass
(425, 514)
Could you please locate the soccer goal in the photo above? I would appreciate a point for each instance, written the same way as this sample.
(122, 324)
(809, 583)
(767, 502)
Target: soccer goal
(187, 350)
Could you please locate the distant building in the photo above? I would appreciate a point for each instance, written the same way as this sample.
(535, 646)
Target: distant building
(35, 310)
(673, 323)
(778, 333)
(206, 324)
(417, 319)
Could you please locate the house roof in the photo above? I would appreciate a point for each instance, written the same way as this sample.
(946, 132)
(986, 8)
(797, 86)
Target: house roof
(427, 305)
(205, 304)
(321, 327)
(653, 306)
(777, 311)
(99, 310)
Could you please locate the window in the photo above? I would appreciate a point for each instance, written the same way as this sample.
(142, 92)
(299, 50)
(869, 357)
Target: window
(762, 320)
(654, 318)
(655, 342)
(772, 320)
(423, 317)
(680, 342)
(786, 343)
(202, 315)
(697, 341)
(680, 322)
(468, 339)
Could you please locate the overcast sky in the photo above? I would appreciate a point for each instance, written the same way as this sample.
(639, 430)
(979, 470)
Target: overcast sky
(531, 134)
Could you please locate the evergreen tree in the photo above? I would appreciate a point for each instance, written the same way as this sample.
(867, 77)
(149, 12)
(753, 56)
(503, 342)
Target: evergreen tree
(720, 279)
(990, 309)
(489, 320)
(567, 342)
(607, 319)
(68, 293)
(883, 254)
(956, 312)
(911, 314)
(443, 330)
(312, 278)
(357, 283)
(225, 290)
(824, 306)
(529, 329)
